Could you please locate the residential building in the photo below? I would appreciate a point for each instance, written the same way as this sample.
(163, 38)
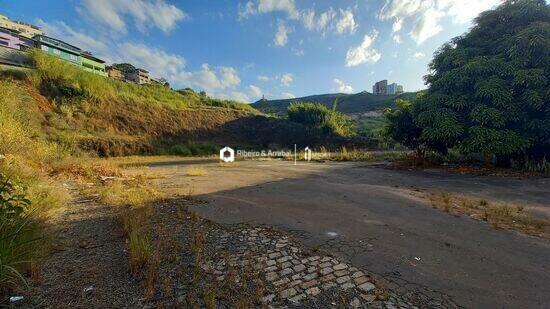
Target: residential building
(24, 29)
(12, 39)
(380, 88)
(138, 76)
(14, 59)
(59, 49)
(115, 73)
(93, 64)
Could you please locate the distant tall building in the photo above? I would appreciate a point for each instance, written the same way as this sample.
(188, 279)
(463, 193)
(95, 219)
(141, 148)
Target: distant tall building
(24, 29)
(380, 87)
(395, 89)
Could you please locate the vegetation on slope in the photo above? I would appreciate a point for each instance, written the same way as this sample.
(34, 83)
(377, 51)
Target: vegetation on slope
(488, 91)
(358, 103)
(318, 116)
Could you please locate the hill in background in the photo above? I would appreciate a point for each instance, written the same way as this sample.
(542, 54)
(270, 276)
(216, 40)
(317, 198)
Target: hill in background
(358, 103)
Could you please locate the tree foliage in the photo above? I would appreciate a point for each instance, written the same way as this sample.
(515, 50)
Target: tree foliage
(488, 89)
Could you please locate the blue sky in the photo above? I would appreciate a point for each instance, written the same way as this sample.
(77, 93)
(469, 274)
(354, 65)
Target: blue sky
(243, 49)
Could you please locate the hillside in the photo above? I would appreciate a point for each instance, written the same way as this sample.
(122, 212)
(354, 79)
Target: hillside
(358, 103)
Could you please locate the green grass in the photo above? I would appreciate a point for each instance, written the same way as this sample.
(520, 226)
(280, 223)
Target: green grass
(70, 85)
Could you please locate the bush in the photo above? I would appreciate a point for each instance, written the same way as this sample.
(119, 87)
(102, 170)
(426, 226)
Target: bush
(18, 233)
(318, 116)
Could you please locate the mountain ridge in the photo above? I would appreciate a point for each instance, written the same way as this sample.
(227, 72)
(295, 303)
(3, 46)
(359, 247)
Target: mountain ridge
(358, 103)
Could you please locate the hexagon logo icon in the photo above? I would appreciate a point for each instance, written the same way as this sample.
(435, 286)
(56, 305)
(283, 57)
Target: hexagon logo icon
(227, 155)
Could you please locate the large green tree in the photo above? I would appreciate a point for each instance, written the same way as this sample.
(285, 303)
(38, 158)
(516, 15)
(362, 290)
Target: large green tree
(488, 90)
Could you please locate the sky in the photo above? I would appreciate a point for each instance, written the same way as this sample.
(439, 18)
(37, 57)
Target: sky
(242, 50)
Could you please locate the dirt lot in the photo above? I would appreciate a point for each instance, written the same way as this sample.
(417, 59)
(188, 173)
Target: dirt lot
(371, 216)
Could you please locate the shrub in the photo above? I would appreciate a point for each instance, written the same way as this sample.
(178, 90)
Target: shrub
(318, 116)
(18, 233)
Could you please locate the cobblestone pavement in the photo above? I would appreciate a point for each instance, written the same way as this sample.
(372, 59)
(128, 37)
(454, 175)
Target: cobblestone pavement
(205, 264)
(295, 276)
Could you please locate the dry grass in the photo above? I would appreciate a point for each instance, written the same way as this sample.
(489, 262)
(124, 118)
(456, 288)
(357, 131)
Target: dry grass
(196, 171)
(499, 215)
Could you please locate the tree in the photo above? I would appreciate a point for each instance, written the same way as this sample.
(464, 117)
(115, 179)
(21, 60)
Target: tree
(401, 125)
(488, 90)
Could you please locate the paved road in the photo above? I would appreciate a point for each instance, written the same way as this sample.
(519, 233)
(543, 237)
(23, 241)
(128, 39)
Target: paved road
(366, 214)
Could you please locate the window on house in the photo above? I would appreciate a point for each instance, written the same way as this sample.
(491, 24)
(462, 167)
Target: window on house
(4, 43)
(57, 52)
(73, 57)
(44, 48)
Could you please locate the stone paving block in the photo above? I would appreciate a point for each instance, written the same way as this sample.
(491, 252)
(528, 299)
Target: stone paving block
(271, 262)
(328, 277)
(341, 273)
(326, 264)
(274, 255)
(347, 285)
(368, 298)
(357, 274)
(329, 285)
(310, 277)
(271, 268)
(286, 265)
(283, 259)
(297, 298)
(309, 284)
(361, 280)
(326, 259)
(367, 286)
(313, 291)
(340, 266)
(281, 282)
(294, 283)
(288, 293)
(311, 269)
(286, 271)
(299, 268)
(271, 276)
(343, 279)
(326, 271)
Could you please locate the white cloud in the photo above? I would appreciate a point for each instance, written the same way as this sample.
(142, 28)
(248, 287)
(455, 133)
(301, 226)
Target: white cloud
(298, 52)
(325, 19)
(419, 55)
(427, 26)
(346, 23)
(213, 80)
(281, 37)
(397, 25)
(60, 30)
(396, 38)
(143, 13)
(287, 95)
(425, 16)
(308, 19)
(342, 87)
(263, 78)
(364, 52)
(287, 79)
(268, 6)
(248, 9)
(156, 61)
(255, 91)
(239, 97)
